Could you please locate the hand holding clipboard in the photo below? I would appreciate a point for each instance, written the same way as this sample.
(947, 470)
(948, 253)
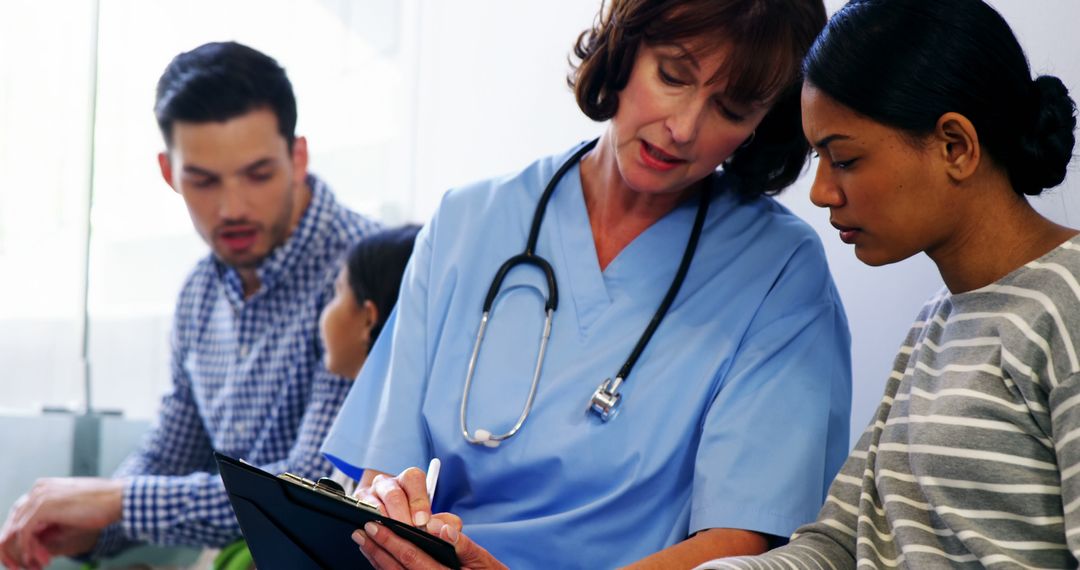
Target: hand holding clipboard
(387, 550)
(293, 523)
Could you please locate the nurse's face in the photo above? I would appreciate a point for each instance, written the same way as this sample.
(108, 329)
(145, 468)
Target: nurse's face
(675, 125)
(880, 188)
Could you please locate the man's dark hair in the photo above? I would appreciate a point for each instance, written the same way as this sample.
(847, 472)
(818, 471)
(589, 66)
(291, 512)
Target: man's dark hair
(219, 81)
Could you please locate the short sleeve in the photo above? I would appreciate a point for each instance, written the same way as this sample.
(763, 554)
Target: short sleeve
(778, 430)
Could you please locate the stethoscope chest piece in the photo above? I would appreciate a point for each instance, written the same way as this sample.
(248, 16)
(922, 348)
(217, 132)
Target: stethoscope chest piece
(606, 399)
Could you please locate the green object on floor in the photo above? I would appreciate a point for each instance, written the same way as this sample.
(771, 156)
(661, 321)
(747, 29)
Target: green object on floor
(235, 556)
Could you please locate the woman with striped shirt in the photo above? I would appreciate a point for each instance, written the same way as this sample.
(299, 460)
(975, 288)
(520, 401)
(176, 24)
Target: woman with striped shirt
(931, 134)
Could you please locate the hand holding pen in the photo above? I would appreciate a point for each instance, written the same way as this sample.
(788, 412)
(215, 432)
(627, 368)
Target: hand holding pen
(386, 550)
(405, 497)
(401, 495)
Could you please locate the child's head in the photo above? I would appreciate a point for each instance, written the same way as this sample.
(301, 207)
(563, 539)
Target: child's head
(364, 294)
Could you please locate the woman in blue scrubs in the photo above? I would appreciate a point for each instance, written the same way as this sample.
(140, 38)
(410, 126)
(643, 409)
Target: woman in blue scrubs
(735, 416)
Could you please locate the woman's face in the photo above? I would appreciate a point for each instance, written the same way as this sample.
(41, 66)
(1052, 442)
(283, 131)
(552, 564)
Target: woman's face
(345, 328)
(673, 126)
(880, 188)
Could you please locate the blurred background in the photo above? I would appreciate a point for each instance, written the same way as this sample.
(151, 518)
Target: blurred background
(400, 100)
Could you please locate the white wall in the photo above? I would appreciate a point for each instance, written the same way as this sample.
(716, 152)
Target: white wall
(1047, 30)
(492, 97)
(492, 94)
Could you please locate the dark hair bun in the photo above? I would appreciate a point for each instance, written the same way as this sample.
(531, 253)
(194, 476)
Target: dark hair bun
(1046, 148)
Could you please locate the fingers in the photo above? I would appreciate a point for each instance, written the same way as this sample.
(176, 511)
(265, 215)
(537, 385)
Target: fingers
(447, 532)
(29, 548)
(440, 520)
(32, 520)
(392, 497)
(8, 552)
(443, 525)
(386, 550)
(367, 495)
(51, 509)
(375, 553)
(470, 554)
(8, 559)
(68, 541)
(448, 527)
(404, 497)
(39, 554)
(414, 481)
(19, 543)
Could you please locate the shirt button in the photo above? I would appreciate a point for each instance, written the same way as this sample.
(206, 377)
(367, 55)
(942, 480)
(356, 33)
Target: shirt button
(243, 351)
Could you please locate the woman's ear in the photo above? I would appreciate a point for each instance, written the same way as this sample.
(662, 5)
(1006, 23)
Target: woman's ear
(958, 144)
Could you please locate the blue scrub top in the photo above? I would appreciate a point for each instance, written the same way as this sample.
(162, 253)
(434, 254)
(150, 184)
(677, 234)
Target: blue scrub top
(736, 414)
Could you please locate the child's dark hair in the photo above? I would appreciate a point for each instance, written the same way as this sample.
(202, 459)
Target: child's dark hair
(375, 266)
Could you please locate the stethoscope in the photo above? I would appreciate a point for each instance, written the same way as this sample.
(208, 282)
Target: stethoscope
(606, 399)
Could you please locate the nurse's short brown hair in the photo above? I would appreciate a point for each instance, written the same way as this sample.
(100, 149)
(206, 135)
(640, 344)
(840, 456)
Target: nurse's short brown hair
(766, 41)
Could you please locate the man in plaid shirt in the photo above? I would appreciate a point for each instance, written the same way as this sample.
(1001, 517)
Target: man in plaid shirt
(248, 378)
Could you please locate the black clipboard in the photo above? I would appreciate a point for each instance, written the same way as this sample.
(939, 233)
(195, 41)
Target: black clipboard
(291, 525)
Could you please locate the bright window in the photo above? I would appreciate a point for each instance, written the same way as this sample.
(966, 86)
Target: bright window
(349, 69)
(45, 101)
(399, 99)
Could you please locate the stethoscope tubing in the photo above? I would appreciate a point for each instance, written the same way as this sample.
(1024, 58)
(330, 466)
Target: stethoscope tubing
(673, 290)
(529, 257)
(496, 439)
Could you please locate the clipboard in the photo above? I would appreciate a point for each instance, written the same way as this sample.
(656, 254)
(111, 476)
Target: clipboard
(291, 523)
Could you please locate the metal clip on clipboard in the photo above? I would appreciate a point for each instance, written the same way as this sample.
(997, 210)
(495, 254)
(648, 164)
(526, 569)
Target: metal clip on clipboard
(330, 488)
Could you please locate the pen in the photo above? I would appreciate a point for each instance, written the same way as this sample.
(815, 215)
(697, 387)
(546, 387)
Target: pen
(432, 478)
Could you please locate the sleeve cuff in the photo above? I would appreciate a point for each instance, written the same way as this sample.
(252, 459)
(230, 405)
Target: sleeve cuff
(112, 541)
(741, 517)
(146, 499)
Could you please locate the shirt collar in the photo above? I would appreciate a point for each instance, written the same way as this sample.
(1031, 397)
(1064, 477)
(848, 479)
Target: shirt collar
(283, 258)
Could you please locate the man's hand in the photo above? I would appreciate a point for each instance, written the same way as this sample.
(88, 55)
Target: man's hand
(59, 517)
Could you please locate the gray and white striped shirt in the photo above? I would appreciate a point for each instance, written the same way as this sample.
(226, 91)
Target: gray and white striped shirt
(972, 457)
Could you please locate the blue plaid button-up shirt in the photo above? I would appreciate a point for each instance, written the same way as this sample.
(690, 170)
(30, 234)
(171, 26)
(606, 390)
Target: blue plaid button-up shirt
(248, 380)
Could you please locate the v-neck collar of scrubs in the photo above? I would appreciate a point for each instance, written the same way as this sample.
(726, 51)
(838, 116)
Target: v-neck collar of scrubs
(648, 258)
